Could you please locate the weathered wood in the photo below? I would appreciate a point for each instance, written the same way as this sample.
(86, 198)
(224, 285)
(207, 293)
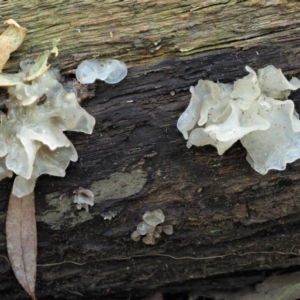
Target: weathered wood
(143, 32)
(226, 217)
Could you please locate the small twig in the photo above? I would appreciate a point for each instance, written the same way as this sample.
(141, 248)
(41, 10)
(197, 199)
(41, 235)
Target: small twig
(174, 257)
(61, 263)
(270, 252)
(215, 256)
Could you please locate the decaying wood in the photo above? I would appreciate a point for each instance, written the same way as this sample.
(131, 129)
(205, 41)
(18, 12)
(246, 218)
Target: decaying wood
(226, 217)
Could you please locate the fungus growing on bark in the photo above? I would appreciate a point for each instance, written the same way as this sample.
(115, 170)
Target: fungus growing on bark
(31, 132)
(254, 110)
(84, 198)
(111, 71)
(150, 229)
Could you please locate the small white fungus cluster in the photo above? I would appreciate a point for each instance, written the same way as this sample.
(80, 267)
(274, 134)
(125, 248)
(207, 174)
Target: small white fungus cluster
(84, 198)
(32, 141)
(254, 110)
(111, 71)
(150, 228)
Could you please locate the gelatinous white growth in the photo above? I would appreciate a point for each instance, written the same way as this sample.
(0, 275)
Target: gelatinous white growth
(84, 198)
(144, 228)
(111, 71)
(249, 110)
(32, 141)
(149, 239)
(135, 236)
(149, 227)
(168, 229)
(154, 217)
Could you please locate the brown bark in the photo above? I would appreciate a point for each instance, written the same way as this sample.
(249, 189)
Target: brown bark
(226, 217)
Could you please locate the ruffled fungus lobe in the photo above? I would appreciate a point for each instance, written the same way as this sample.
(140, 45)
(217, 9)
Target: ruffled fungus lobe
(252, 110)
(39, 110)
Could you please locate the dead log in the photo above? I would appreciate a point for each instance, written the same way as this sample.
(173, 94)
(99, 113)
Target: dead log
(227, 218)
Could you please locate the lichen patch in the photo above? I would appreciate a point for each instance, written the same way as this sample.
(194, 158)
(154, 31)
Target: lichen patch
(119, 185)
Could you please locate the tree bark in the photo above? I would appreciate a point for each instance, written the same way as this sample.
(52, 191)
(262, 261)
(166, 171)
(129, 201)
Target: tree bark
(227, 218)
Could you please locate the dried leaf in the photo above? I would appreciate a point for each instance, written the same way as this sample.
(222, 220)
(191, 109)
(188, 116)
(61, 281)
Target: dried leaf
(21, 235)
(11, 79)
(40, 65)
(10, 40)
(38, 68)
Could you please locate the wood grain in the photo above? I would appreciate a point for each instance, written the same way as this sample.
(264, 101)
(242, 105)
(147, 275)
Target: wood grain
(145, 31)
(227, 219)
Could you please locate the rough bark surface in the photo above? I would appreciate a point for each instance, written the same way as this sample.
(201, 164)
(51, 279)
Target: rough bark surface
(226, 217)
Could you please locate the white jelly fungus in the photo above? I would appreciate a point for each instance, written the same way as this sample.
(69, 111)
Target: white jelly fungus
(254, 110)
(32, 138)
(136, 236)
(33, 118)
(150, 229)
(111, 71)
(154, 217)
(84, 198)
